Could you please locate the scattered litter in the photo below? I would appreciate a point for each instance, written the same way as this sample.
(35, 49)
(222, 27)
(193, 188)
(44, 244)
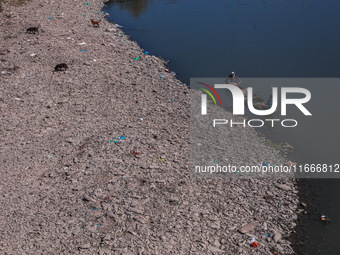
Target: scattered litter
(291, 163)
(146, 52)
(275, 251)
(68, 38)
(135, 153)
(122, 137)
(33, 55)
(49, 156)
(254, 243)
(174, 202)
(4, 72)
(95, 208)
(266, 164)
(325, 219)
(294, 216)
(17, 99)
(88, 3)
(50, 17)
(138, 58)
(83, 50)
(82, 43)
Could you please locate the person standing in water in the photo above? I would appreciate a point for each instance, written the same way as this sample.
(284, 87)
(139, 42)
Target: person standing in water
(232, 78)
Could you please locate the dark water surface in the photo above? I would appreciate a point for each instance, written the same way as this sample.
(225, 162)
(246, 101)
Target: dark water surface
(259, 38)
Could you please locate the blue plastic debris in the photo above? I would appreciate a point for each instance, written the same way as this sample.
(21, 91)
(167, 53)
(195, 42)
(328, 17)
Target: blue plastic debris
(146, 52)
(83, 50)
(122, 137)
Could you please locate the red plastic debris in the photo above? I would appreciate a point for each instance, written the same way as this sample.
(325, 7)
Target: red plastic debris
(134, 153)
(255, 244)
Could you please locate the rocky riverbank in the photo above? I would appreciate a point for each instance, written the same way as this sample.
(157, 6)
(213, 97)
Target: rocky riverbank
(94, 159)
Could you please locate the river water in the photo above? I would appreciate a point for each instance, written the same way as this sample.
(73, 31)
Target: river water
(264, 39)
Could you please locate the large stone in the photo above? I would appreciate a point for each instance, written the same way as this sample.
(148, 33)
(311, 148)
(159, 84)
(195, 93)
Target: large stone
(85, 246)
(215, 250)
(249, 227)
(277, 237)
(76, 230)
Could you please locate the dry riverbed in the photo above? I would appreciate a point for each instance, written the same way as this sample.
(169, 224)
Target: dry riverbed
(94, 160)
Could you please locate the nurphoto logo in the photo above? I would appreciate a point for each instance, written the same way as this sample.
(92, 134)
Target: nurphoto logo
(240, 96)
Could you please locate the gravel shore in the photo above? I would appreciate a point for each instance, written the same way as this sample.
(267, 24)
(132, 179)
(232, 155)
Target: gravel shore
(94, 159)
